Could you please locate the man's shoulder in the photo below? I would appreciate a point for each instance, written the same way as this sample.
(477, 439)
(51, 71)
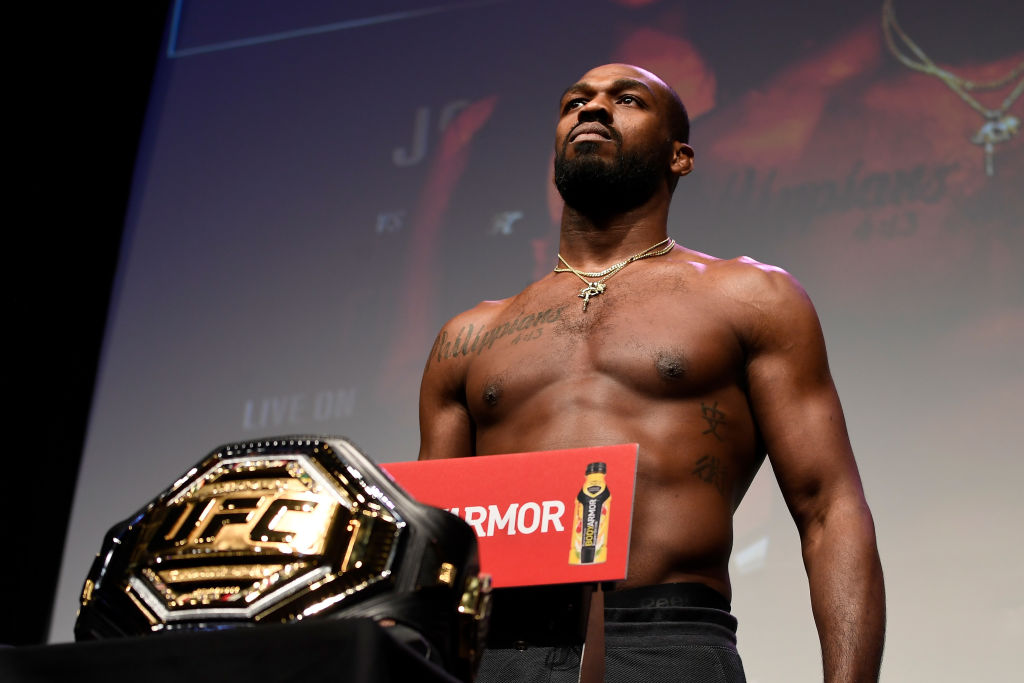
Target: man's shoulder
(747, 280)
(462, 333)
(485, 312)
(499, 311)
(760, 301)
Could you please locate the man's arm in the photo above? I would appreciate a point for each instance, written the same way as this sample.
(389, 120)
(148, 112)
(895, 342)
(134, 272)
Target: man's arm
(446, 428)
(799, 414)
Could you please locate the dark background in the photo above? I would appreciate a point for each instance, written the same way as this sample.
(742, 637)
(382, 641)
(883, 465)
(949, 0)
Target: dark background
(84, 84)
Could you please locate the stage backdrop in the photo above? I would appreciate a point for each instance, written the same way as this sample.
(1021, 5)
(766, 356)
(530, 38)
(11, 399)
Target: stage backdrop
(322, 184)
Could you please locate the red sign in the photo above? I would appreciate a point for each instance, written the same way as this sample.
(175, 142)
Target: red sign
(540, 518)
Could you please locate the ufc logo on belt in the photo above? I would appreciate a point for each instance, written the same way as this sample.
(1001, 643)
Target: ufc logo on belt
(235, 522)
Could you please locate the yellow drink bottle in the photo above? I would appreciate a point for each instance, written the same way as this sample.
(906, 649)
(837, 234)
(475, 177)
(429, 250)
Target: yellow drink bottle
(589, 543)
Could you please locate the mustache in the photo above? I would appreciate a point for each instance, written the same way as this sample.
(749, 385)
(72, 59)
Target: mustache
(615, 135)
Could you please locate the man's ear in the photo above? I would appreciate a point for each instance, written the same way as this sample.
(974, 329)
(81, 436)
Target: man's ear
(682, 158)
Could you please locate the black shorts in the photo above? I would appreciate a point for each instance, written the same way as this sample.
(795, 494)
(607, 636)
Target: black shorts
(681, 633)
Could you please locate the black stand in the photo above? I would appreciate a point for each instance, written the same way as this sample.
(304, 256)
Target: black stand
(349, 650)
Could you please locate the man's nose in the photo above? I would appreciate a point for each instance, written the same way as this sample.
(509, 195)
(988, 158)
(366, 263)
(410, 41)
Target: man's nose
(596, 109)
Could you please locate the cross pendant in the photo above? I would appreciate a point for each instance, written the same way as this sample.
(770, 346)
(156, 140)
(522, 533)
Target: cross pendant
(997, 129)
(592, 289)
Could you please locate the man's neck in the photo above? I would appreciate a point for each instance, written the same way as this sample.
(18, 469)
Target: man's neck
(592, 243)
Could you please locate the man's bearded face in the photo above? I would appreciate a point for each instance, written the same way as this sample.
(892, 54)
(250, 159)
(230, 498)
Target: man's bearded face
(595, 185)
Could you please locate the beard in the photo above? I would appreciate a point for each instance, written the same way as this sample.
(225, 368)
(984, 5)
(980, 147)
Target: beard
(598, 187)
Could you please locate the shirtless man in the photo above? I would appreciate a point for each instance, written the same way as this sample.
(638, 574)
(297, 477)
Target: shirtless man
(708, 364)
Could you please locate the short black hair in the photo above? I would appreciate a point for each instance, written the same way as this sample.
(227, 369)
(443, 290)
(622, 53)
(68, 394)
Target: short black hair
(678, 120)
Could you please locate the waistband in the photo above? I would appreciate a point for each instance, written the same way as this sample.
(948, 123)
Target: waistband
(667, 595)
(554, 615)
(668, 613)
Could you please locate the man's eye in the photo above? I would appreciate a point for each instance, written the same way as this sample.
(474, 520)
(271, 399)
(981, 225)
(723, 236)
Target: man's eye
(629, 99)
(573, 104)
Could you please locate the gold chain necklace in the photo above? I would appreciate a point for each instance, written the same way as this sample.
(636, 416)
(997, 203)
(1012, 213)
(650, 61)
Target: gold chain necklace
(1000, 126)
(598, 286)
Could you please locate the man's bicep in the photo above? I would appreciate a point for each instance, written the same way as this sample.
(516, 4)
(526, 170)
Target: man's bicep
(798, 411)
(446, 429)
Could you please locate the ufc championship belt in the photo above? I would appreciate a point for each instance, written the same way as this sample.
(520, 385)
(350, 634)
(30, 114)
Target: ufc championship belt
(288, 529)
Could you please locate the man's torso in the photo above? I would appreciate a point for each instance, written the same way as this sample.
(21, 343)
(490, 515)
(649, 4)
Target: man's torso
(660, 359)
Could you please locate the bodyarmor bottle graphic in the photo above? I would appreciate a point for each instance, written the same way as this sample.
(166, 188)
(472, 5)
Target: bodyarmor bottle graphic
(590, 519)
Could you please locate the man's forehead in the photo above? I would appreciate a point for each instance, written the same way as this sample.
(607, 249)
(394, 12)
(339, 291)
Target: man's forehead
(610, 73)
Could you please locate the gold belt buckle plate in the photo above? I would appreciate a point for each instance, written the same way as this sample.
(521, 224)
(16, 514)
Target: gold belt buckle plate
(267, 531)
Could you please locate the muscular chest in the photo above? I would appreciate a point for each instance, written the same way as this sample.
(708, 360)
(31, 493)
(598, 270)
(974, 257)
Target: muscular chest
(655, 339)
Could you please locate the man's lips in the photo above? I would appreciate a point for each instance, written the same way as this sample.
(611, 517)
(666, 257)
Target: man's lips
(590, 132)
